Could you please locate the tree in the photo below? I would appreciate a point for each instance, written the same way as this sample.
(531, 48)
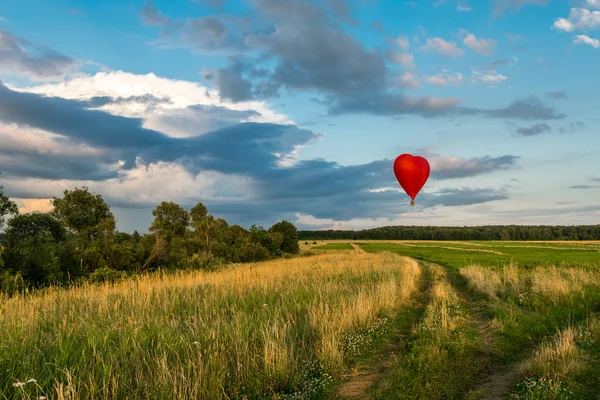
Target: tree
(170, 220)
(289, 244)
(7, 207)
(39, 249)
(88, 216)
(85, 213)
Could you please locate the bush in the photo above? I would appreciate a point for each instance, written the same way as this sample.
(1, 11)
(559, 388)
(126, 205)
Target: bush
(106, 275)
(11, 284)
(206, 261)
(290, 236)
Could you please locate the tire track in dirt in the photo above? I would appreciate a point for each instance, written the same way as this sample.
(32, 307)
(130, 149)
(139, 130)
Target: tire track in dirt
(496, 379)
(364, 377)
(358, 249)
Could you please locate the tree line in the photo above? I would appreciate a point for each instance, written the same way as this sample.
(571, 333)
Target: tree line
(488, 232)
(77, 241)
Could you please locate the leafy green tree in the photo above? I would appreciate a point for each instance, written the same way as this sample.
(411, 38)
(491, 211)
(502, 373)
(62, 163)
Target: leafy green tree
(38, 248)
(289, 232)
(7, 207)
(84, 213)
(88, 216)
(170, 220)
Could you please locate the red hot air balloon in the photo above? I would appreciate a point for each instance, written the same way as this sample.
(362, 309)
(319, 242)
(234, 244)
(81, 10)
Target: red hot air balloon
(412, 173)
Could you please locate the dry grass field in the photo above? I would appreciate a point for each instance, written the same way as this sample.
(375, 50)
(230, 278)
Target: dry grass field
(345, 320)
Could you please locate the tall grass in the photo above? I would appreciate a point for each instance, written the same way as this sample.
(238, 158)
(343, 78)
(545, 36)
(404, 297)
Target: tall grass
(439, 359)
(255, 330)
(547, 285)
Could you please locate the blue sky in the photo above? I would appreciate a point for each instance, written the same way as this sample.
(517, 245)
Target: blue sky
(295, 109)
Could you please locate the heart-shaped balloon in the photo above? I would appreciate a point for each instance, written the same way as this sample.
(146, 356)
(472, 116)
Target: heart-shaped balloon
(411, 172)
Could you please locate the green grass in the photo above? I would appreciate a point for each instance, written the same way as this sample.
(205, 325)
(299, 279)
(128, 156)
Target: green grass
(334, 246)
(523, 313)
(525, 256)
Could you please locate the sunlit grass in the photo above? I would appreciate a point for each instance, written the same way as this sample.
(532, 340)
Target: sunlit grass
(252, 330)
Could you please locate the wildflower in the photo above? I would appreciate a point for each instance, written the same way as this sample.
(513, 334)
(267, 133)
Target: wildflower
(19, 384)
(31, 380)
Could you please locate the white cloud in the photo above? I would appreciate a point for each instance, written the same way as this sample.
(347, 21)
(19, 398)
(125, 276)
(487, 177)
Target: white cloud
(593, 3)
(445, 79)
(456, 78)
(587, 40)
(441, 46)
(482, 46)
(408, 80)
(406, 60)
(144, 184)
(403, 42)
(149, 185)
(579, 19)
(463, 8)
(179, 95)
(491, 78)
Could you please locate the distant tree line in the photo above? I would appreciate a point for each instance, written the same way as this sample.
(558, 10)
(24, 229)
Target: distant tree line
(488, 232)
(77, 241)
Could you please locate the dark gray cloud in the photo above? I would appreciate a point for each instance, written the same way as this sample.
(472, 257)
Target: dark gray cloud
(152, 16)
(21, 57)
(316, 187)
(475, 166)
(320, 60)
(557, 95)
(385, 104)
(592, 179)
(301, 47)
(528, 108)
(207, 34)
(584, 187)
(44, 165)
(231, 82)
(71, 119)
(99, 101)
(576, 125)
(465, 196)
(534, 130)
(342, 10)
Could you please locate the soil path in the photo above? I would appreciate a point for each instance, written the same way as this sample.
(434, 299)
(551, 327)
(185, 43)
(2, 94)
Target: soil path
(357, 248)
(364, 377)
(496, 380)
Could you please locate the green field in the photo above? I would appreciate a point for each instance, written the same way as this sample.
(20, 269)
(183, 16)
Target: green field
(401, 320)
(454, 255)
(333, 246)
(533, 310)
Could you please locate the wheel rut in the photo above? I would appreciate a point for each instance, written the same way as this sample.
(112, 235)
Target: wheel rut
(496, 379)
(364, 378)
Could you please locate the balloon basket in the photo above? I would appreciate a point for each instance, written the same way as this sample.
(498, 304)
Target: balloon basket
(412, 203)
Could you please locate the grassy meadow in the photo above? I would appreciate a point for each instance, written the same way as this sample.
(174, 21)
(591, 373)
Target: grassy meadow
(352, 320)
(278, 329)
